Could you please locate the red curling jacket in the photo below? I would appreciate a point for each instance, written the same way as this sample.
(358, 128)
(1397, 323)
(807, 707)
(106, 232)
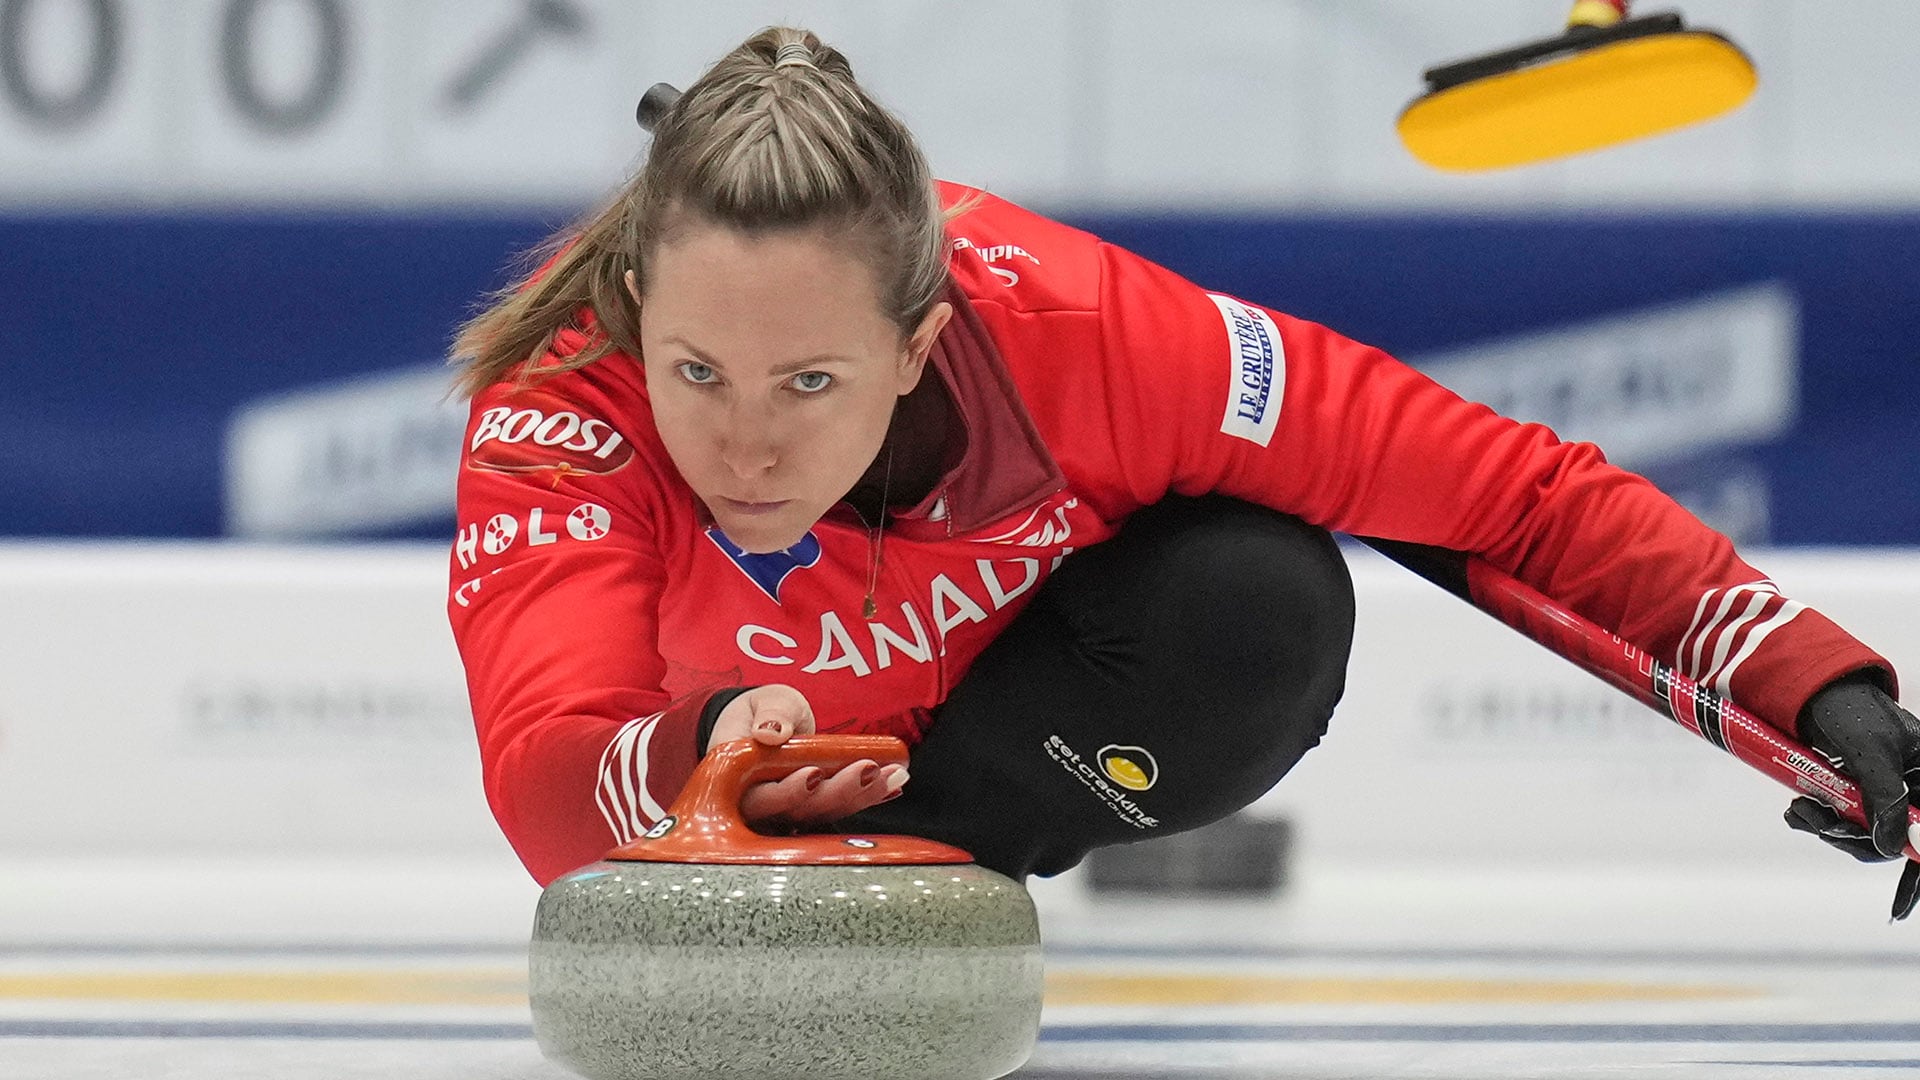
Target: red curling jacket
(596, 607)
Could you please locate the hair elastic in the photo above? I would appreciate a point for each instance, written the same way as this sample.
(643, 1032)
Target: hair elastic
(793, 52)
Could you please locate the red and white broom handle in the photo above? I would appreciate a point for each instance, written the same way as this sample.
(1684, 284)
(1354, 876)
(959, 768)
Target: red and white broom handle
(1692, 706)
(1598, 14)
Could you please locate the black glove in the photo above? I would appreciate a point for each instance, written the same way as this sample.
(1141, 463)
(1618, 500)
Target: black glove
(1868, 736)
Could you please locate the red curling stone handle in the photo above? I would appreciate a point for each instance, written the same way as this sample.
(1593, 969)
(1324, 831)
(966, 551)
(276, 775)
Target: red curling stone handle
(704, 824)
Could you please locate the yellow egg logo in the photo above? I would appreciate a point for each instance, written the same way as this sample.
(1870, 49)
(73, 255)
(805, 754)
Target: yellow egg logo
(1129, 766)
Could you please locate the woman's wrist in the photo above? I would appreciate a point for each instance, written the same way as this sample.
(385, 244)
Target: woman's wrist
(710, 715)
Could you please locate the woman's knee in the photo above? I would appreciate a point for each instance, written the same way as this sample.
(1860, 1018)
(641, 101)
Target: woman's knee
(1266, 581)
(1205, 645)
(1230, 600)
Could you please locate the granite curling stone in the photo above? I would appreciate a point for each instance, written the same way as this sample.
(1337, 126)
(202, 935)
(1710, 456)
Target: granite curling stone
(706, 951)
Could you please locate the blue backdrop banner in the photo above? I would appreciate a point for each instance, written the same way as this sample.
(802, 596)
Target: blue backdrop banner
(281, 377)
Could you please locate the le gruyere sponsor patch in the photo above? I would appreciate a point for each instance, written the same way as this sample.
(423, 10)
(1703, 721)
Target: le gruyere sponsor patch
(1259, 371)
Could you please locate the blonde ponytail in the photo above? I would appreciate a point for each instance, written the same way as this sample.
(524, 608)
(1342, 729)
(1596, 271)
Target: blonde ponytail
(777, 135)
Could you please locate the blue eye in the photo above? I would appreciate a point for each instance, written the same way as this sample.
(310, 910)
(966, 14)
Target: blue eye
(697, 373)
(812, 382)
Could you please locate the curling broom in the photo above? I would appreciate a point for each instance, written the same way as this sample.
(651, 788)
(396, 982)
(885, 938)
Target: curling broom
(1608, 79)
(1694, 707)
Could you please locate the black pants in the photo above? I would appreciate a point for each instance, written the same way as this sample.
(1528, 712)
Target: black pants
(1158, 682)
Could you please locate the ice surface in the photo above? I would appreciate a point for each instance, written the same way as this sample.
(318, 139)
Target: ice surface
(343, 970)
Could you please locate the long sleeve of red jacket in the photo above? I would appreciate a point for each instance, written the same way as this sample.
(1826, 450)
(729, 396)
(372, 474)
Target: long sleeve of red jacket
(556, 573)
(1290, 414)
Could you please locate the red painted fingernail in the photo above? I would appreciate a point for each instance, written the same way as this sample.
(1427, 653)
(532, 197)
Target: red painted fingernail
(892, 795)
(816, 779)
(768, 725)
(867, 774)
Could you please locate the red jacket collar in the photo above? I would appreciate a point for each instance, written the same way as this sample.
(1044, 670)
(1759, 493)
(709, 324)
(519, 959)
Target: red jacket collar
(1005, 465)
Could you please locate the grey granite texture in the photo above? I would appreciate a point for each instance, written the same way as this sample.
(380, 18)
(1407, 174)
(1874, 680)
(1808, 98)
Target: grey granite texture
(663, 971)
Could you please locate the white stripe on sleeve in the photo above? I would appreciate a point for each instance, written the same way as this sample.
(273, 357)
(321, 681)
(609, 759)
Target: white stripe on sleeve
(648, 805)
(1693, 663)
(606, 793)
(622, 795)
(1788, 609)
(1729, 636)
(1693, 666)
(1680, 650)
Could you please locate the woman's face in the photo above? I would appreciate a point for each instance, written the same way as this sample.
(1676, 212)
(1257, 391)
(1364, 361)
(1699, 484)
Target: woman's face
(773, 373)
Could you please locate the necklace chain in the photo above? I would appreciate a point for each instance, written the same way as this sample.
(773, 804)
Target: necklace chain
(877, 537)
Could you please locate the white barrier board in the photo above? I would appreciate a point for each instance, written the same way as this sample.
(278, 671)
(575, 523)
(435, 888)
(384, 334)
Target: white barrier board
(237, 700)
(208, 699)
